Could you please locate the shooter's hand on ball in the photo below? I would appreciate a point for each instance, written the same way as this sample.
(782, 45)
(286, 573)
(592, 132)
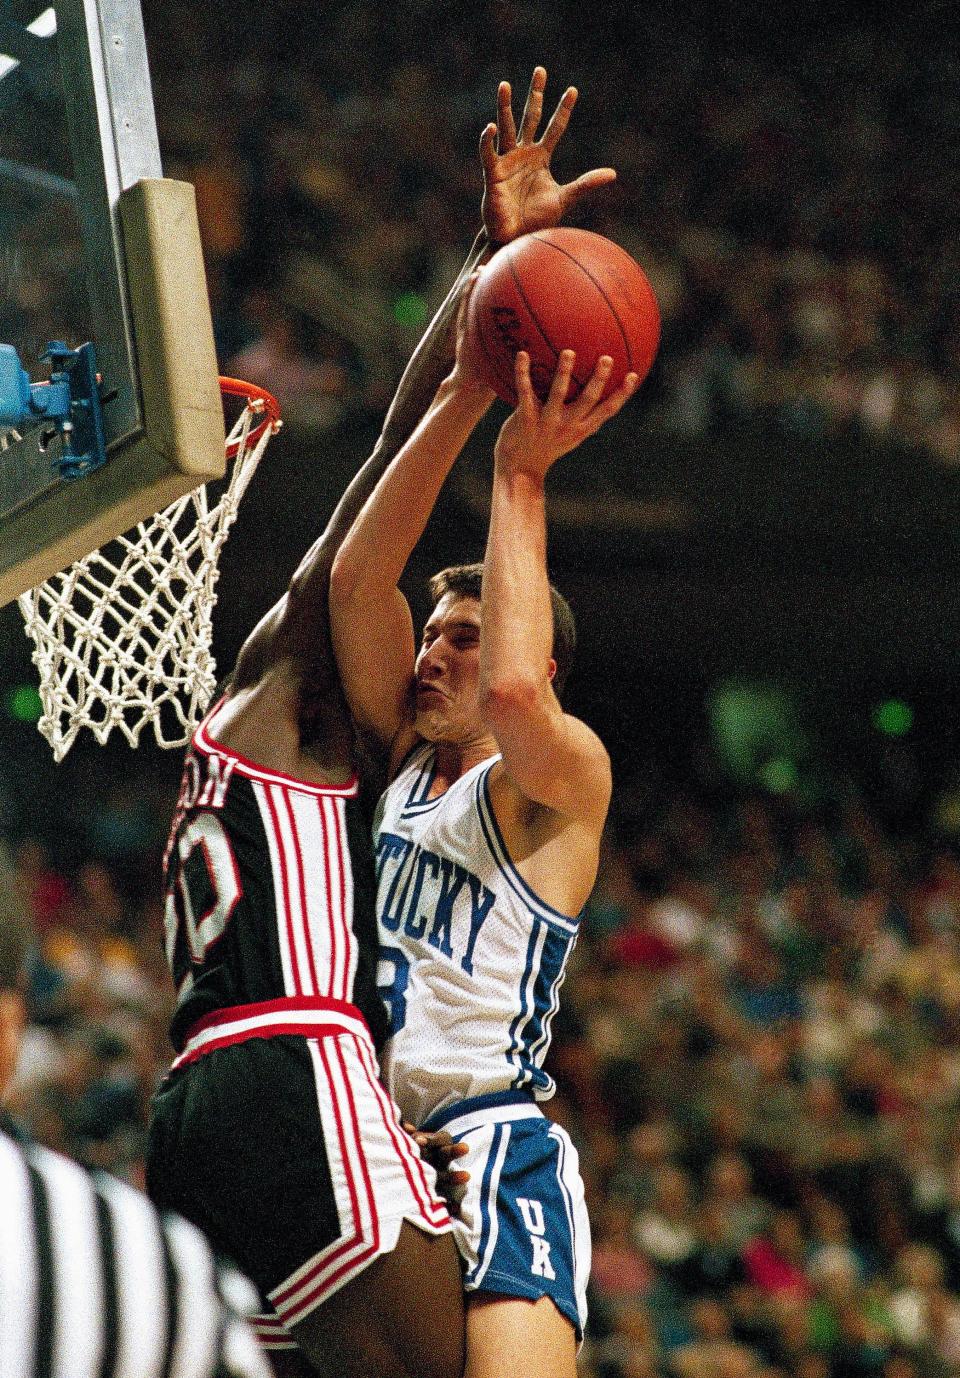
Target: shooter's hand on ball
(537, 433)
(519, 190)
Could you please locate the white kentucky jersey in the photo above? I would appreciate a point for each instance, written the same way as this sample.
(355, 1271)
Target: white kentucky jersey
(471, 960)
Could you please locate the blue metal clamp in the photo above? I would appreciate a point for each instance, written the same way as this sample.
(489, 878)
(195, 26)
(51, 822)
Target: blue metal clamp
(70, 402)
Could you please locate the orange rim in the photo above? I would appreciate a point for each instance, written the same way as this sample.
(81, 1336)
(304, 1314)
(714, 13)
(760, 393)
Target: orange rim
(256, 397)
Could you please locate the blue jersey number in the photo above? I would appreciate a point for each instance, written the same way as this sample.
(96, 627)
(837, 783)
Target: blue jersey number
(394, 995)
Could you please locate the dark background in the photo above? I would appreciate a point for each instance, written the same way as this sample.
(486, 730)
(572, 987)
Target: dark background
(762, 549)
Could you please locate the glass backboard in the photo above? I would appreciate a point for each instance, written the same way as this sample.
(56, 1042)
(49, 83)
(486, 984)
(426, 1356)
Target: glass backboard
(96, 245)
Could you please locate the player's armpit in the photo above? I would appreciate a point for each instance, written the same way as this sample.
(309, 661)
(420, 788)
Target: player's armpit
(260, 650)
(288, 630)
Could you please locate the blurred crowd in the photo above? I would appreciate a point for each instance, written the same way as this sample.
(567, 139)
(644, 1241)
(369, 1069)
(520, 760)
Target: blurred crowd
(787, 205)
(786, 186)
(760, 1059)
(758, 1050)
(757, 1053)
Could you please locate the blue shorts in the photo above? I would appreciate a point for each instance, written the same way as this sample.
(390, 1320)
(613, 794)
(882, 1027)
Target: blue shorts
(523, 1230)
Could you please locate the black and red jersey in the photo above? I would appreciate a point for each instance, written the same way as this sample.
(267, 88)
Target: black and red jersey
(270, 891)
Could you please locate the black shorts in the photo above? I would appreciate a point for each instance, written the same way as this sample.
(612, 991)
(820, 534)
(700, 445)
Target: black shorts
(288, 1154)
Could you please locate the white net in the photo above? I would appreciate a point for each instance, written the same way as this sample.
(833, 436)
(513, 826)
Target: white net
(122, 638)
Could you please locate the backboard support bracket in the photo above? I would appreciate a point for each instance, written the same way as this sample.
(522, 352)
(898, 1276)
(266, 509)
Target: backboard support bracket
(182, 444)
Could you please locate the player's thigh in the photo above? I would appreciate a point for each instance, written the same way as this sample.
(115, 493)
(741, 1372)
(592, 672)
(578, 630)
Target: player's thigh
(400, 1318)
(510, 1337)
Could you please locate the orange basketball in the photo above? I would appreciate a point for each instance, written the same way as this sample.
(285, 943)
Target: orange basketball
(562, 289)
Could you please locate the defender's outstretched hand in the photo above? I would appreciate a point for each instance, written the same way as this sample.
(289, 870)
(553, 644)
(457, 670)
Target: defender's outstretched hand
(519, 190)
(536, 433)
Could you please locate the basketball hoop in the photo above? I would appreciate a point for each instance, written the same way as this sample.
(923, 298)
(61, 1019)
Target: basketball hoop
(122, 638)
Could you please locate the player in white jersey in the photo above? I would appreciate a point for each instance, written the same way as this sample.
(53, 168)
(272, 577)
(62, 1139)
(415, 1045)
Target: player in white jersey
(487, 847)
(455, 915)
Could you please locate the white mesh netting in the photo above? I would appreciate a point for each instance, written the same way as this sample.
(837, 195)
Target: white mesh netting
(122, 638)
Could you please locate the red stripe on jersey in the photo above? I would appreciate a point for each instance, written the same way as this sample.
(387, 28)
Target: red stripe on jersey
(290, 1300)
(302, 882)
(321, 1278)
(351, 1266)
(432, 1210)
(220, 1030)
(280, 1296)
(267, 1320)
(271, 1332)
(280, 1029)
(347, 927)
(317, 1280)
(326, 1285)
(209, 745)
(345, 1158)
(335, 920)
(286, 1009)
(274, 1343)
(338, 1049)
(286, 916)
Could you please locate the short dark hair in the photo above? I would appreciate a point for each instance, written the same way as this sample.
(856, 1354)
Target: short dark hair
(466, 581)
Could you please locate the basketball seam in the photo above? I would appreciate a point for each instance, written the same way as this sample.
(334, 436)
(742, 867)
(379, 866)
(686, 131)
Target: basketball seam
(613, 311)
(533, 317)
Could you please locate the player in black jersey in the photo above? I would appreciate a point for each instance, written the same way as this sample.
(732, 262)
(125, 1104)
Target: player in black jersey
(273, 1132)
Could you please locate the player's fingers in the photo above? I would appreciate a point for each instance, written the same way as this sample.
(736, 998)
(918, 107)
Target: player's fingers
(450, 1151)
(559, 119)
(452, 1192)
(560, 385)
(593, 388)
(437, 1138)
(458, 1176)
(442, 1163)
(488, 148)
(506, 129)
(534, 106)
(526, 400)
(604, 410)
(587, 182)
(455, 1198)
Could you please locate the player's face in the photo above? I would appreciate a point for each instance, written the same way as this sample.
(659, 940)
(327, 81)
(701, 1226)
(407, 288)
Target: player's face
(447, 683)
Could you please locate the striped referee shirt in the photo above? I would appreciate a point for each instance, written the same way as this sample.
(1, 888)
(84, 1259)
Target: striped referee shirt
(95, 1284)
